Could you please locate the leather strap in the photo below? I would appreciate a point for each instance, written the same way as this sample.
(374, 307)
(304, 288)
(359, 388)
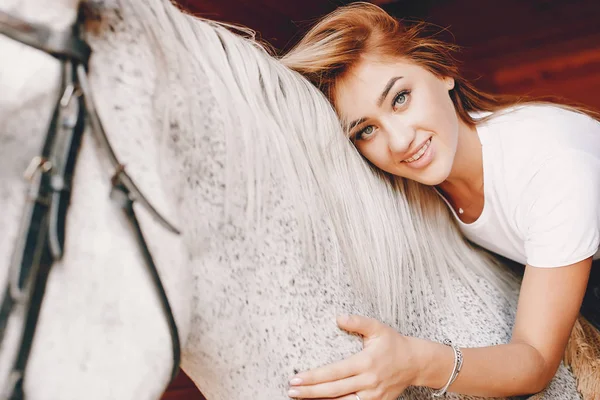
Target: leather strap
(42, 235)
(62, 45)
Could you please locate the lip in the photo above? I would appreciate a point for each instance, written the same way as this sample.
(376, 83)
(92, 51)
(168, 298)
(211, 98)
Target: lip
(425, 159)
(416, 150)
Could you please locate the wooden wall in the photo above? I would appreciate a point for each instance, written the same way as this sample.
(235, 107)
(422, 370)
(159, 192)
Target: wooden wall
(182, 388)
(536, 47)
(278, 22)
(533, 47)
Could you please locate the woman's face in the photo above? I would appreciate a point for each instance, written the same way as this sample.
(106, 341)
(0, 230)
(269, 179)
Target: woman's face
(400, 117)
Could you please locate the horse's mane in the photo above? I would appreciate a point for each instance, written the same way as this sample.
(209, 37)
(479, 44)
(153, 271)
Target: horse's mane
(396, 238)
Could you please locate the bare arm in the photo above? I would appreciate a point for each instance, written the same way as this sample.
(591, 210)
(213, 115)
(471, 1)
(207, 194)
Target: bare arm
(549, 303)
(548, 306)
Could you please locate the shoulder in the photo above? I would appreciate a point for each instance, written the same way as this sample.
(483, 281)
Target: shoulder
(527, 138)
(540, 112)
(560, 210)
(565, 172)
(556, 125)
(545, 162)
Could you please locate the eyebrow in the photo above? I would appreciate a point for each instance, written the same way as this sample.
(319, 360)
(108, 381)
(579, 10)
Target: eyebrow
(382, 97)
(353, 124)
(387, 89)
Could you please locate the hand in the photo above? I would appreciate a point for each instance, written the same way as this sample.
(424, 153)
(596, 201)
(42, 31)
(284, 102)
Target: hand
(381, 371)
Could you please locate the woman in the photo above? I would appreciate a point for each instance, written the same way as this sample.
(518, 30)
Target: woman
(523, 181)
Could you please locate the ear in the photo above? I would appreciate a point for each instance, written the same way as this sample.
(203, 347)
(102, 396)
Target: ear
(449, 82)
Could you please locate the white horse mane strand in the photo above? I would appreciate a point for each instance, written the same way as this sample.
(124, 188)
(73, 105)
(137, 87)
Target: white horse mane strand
(394, 236)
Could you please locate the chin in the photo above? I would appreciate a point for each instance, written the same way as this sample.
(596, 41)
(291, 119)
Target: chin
(433, 179)
(433, 182)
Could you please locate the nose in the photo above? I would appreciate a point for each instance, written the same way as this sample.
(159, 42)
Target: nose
(400, 138)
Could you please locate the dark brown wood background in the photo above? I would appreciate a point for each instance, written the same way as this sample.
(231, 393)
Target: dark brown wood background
(533, 47)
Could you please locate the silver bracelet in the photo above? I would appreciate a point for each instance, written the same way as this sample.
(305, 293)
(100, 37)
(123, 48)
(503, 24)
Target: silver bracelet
(458, 361)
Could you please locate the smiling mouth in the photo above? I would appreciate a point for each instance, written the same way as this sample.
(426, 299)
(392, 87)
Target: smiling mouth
(419, 153)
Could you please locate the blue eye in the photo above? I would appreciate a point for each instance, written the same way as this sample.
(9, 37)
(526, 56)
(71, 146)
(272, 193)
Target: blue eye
(400, 99)
(364, 133)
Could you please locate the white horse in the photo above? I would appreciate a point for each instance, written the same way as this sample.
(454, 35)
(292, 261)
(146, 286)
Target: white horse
(283, 225)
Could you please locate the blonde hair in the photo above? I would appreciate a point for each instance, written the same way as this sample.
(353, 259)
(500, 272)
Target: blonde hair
(338, 42)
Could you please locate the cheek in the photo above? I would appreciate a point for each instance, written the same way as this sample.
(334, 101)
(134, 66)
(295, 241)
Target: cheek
(431, 108)
(434, 97)
(369, 151)
(446, 119)
(374, 151)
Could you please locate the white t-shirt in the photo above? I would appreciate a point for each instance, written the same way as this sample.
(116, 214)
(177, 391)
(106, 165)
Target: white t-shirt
(541, 167)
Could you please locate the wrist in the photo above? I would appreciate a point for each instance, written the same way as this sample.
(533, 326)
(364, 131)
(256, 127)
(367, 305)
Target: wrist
(435, 363)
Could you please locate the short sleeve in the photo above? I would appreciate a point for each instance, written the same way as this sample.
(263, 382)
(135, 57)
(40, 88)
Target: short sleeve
(561, 207)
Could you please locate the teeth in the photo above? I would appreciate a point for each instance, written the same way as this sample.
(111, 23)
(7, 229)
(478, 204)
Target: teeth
(419, 153)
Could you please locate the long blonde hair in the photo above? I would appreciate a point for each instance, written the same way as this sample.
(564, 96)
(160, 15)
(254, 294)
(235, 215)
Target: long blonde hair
(337, 43)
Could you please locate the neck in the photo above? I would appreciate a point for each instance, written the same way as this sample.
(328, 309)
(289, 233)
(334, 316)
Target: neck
(55, 14)
(466, 176)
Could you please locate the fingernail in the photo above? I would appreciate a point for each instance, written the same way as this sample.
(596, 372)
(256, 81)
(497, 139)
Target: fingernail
(343, 318)
(293, 393)
(295, 381)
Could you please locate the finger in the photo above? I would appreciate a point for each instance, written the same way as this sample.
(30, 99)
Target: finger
(351, 396)
(358, 324)
(328, 390)
(331, 372)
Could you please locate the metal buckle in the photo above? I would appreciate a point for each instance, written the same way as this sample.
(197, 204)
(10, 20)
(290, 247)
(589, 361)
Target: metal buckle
(36, 164)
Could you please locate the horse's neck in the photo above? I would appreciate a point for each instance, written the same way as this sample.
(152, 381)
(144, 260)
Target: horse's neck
(55, 14)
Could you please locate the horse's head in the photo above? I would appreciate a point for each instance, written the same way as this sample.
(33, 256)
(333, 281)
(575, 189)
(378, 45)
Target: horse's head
(28, 77)
(99, 296)
(55, 14)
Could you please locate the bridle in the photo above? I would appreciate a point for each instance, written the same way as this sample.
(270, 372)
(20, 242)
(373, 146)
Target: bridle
(41, 239)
